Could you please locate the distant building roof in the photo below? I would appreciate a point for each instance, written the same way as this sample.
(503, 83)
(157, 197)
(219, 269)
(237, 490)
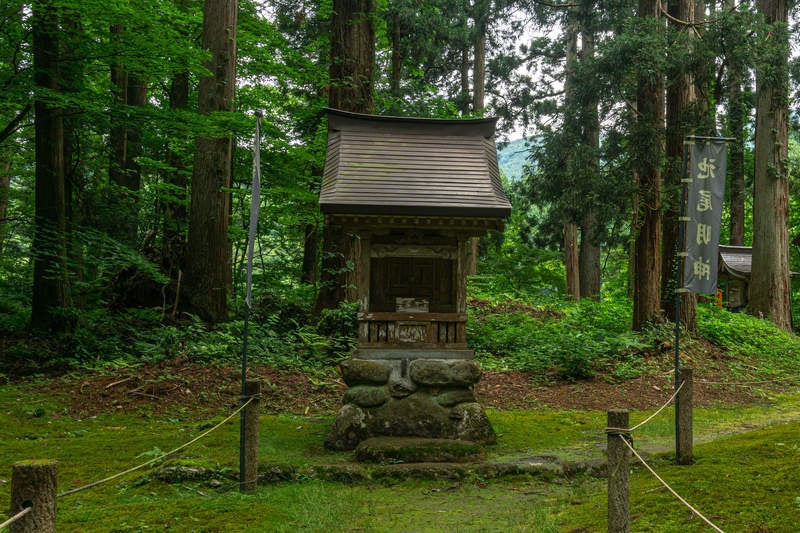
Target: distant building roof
(737, 262)
(411, 166)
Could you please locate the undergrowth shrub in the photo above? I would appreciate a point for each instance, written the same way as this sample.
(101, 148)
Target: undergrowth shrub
(518, 272)
(767, 347)
(590, 336)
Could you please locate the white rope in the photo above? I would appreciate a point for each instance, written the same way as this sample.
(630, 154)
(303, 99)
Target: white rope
(648, 419)
(15, 517)
(684, 502)
(151, 461)
(747, 383)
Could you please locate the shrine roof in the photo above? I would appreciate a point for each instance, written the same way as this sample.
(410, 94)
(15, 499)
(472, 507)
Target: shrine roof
(737, 262)
(411, 166)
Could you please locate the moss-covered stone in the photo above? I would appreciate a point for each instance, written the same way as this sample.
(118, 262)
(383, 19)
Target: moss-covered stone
(338, 473)
(444, 372)
(349, 428)
(180, 473)
(472, 423)
(364, 372)
(449, 398)
(400, 388)
(366, 396)
(417, 450)
(273, 473)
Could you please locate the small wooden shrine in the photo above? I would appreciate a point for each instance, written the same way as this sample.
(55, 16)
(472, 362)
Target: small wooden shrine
(735, 269)
(412, 193)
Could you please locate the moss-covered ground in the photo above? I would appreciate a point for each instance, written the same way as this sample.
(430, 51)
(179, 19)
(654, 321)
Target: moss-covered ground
(745, 477)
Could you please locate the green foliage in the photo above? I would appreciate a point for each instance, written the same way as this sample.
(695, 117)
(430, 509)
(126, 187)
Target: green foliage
(762, 348)
(519, 271)
(291, 340)
(569, 340)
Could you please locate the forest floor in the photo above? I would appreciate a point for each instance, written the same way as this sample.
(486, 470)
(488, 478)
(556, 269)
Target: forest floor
(183, 382)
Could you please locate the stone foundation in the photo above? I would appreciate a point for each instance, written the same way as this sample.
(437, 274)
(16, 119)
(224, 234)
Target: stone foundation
(427, 398)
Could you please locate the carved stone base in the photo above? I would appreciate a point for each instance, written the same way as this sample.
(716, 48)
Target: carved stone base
(428, 398)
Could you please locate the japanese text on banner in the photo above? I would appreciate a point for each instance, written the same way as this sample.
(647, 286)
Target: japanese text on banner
(704, 211)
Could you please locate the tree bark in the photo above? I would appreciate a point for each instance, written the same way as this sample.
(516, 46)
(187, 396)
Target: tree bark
(463, 72)
(680, 97)
(352, 69)
(589, 254)
(647, 172)
(308, 273)
(49, 247)
(481, 19)
(208, 268)
(5, 186)
(736, 118)
(571, 128)
(73, 76)
(174, 212)
(770, 286)
(351, 73)
(571, 259)
(397, 56)
(589, 258)
(736, 114)
(121, 201)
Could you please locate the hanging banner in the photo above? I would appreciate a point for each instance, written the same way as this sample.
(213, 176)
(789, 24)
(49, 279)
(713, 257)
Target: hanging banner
(255, 203)
(706, 192)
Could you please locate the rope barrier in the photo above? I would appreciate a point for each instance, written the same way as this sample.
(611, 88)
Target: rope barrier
(668, 402)
(16, 517)
(684, 502)
(746, 383)
(151, 461)
(627, 431)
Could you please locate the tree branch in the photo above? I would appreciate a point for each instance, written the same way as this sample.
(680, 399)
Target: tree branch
(11, 127)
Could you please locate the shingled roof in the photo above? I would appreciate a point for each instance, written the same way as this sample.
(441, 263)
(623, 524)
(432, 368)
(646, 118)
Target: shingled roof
(411, 166)
(737, 262)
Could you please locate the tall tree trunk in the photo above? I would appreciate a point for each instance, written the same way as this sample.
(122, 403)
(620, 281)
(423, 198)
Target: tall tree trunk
(136, 97)
(173, 205)
(736, 114)
(481, 19)
(73, 75)
(308, 272)
(208, 258)
(770, 286)
(5, 187)
(736, 118)
(123, 227)
(463, 72)
(397, 56)
(680, 97)
(571, 259)
(351, 73)
(49, 248)
(352, 69)
(647, 171)
(571, 128)
(589, 255)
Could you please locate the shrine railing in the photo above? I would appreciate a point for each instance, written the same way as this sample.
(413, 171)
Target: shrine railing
(413, 330)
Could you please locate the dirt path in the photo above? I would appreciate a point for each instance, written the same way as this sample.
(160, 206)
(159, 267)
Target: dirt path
(163, 386)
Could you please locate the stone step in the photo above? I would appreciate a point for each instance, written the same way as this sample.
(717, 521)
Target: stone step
(417, 450)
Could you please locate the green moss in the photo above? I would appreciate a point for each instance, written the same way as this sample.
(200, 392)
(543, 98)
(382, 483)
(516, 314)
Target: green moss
(743, 477)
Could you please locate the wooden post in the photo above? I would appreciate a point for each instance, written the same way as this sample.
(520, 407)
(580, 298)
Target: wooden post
(34, 485)
(618, 488)
(248, 467)
(684, 417)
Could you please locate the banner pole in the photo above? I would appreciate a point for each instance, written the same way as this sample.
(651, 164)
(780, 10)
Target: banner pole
(679, 281)
(255, 202)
